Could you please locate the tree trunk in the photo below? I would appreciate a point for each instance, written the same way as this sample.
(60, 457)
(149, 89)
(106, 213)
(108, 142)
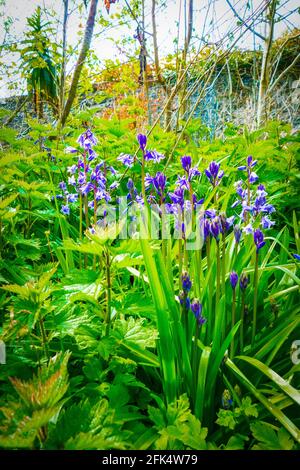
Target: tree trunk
(265, 66)
(63, 61)
(79, 64)
(160, 78)
(188, 35)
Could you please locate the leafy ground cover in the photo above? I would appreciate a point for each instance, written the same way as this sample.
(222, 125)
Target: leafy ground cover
(118, 338)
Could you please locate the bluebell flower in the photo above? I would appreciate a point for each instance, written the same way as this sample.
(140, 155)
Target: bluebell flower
(296, 256)
(248, 229)
(70, 150)
(72, 169)
(244, 281)
(237, 233)
(186, 282)
(153, 155)
(114, 185)
(184, 300)
(81, 178)
(213, 173)
(186, 162)
(130, 184)
(87, 139)
(215, 227)
(196, 308)
(266, 222)
(182, 182)
(65, 209)
(72, 197)
(142, 140)
(159, 182)
(86, 188)
(233, 277)
(126, 159)
(62, 185)
(253, 177)
(258, 237)
(193, 172)
(72, 181)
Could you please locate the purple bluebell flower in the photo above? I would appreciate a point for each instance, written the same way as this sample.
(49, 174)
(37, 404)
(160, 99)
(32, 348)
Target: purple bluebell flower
(182, 182)
(233, 277)
(142, 140)
(72, 169)
(65, 209)
(159, 182)
(213, 173)
(130, 184)
(62, 185)
(244, 281)
(237, 233)
(186, 282)
(248, 229)
(193, 172)
(226, 223)
(126, 159)
(253, 177)
(91, 154)
(266, 222)
(186, 162)
(215, 227)
(196, 308)
(72, 181)
(86, 188)
(71, 150)
(87, 139)
(184, 300)
(258, 237)
(114, 185)
(154, 156)
(81, 178)
(296, 256)
(204, 228)
(210, 213)
(72, 197)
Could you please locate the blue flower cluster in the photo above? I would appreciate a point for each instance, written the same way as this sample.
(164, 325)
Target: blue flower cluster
(85, 180)
(195, 306)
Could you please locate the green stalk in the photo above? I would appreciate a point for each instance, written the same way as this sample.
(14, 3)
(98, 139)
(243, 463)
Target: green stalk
(143, 178)
(194, 358)
(210, 290)
(80, 227)
(108, 292)
(255, 300)
(233, 311)
(242, 322)
(218, 277)
(223, 262)
(44, 338)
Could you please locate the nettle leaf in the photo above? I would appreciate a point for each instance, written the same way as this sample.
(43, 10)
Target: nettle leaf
(46, 388)
(270, 439)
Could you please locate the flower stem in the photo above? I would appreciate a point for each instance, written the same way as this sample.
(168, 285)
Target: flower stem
(80, 227)
(143, 179)
(242, 323)
(108, 292)
(209, 320)
(218, 275)
(233, 321)
(255, 300)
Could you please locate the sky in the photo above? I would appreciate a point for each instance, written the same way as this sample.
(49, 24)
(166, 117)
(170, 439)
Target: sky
(219, 21)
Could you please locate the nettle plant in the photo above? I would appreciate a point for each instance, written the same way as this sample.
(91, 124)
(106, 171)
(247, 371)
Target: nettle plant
(218, 279)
